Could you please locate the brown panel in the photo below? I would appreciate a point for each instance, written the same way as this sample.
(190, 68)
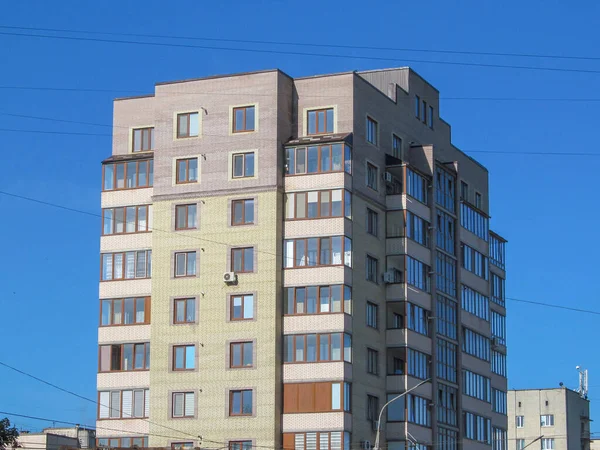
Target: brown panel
(147, 308)
(289, 441)
(306, 397)
(322, 397)
(290, 398)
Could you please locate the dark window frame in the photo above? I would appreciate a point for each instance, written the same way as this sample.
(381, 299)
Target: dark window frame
(242, 393)
(241, 345)
(146, 134)
(243, 202)
(188, 119)
(326, 129)
(174, 362)
(186, 208)
(186, 162)
(187, 257)
(244, 128)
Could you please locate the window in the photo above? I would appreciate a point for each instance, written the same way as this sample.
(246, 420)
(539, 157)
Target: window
(474, 262)
(446, 317)
(430, 117)
(317, 300)
(241, 355)
(308, 348)
(478, 200)
(446, 404)
(417, 364)
(446, 360)
(123, 442)
(182, 445)
(520, 421)
(243, 165)
(497, 251)
(371, 269)
(417, 229)
(477, 428)
(124, 311)
(242, 260)
(475, 303)
(242, 212)
(372, 130)
(477, 386)
(444, 188)
(127, 219)
(417, 410)
(417, 319)
(124, 404)
(499, 328)
(548, 444)
(446, 273)
(334, 440)
(184, 357)
(316, 397)
(417, 186)
(184, 310)
(126, 265)
(499, 363)
(396, 409)
(372, 222)
(417, 107)
(498, 291)
(185, 217)
(188, 125)
(143, 139)
(372, 315)
(185, 264)
(464, 191)
(372, 176)
(418, 274)
(240, 445)
(546, 420)
(320, 121)
(312, 252)
(396, 146)
(187, 171)
(184, 404)
(474, 221)
(318, 204)
(243, 119)
(318, 159)
(475, 344)
(447, 439)
(520, 444)
(242, 307)
(499, 401)
(124, 357)
(240, 402)
(499, 439)
(372, 408)
(424, 112)
(445, 231)
(128, 175)
(372, 361)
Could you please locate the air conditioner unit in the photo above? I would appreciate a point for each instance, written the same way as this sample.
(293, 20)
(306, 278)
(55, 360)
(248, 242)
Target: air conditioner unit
(388, 277)
(229, 277)
(388, 177)
(495, 342)
(366, 445)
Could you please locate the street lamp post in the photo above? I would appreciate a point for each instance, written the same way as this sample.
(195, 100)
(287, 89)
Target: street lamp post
(376, 447)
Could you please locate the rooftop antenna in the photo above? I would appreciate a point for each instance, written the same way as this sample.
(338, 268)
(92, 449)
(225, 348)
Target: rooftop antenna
(582, 390)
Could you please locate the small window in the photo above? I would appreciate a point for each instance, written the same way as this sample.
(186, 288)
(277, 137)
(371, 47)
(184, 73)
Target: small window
(430, 117)
(241, 355)
(372, 313)
(182, 445)
(187, 171)
(185, 264)
(548, 444)
(520, 421)
(417, 107)
(243, 119)
(464, 191)
(372, 222)
(240, 445)
(520, 444)
(183, 404)
(371, 269)
(372, 176)
(185, 217)
(143, 139)
(242, 260)
(242, 307)
(242, 212)
(396, 147)
(372, 131)
(188, 125)
(372, 361)
(243, 165)
(184, 310)
(547, 420)
(424, 112)
(184, 357)
(320, 121)
(373, 408)
(240, 403)
(478, 200)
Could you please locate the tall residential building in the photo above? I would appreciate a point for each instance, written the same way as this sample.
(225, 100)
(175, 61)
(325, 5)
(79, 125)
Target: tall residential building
(557, 419)
(280, 256)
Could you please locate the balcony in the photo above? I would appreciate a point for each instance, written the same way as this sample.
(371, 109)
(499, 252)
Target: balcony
(402, 337)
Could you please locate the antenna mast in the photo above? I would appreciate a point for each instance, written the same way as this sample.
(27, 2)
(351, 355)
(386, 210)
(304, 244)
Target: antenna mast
(582, 390)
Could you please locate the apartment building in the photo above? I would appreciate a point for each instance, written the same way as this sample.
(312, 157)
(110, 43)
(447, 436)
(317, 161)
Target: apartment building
(281, 256)
(550, 419)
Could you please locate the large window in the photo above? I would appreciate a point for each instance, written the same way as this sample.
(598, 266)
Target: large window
(499, 439)
(499, 363)
(477, 428)
(186, 217)
(318, 159)
(372, 131)
(241, 402)
(318, 204)
(184, 404)
(312, 252)
(185, 264)
(477, 386)
(475, 302)
(417, 319)
(316, 397)
(123, 442)
(499, 328)
(446, 404)
(419, 274)
(371, 268)
(417, 410)
(446, 360)
(417, 364)
(241, 355)
(396, 410)
(242, 212)
(474, 221)
(188, 125)
(125, 404)
(320, 121)
(307, 348)
(447, 439)
(417, 186)
(499, 401)
(445, 189)
(417, 229)
(243, 165)
(318, 300)
(124, 311)
(333, 440)
(126, 265)
(474, 262)
(242, 260)
(497, 251)
(243, 119)
(372, 361)
(241, 307)
(184, 357)
(498, 290)
(445, 273)
(240, 445)
(126, 219)
(124, 357)
(187, 171)
(184, 310)
(446, 317)
(475, 344)
(445, 231)
(548, 444)
(143, 139)
(128, 175)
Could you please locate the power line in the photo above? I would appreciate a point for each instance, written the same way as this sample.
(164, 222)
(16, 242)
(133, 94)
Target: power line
(587, 311)
(295, 53)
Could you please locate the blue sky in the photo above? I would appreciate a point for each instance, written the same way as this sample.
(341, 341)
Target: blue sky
(49, 272)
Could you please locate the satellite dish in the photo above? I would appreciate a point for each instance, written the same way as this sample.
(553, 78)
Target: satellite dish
(561, 384)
